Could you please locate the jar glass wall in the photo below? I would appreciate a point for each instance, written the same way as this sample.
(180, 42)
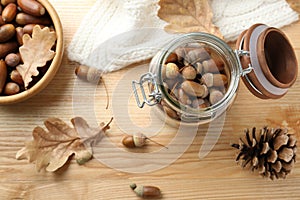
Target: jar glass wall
(200, 52)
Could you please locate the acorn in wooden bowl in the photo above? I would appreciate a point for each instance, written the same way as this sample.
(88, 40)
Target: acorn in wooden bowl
(31, 48)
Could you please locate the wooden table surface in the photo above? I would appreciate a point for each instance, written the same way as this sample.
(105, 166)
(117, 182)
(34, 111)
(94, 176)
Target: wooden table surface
(217, 176)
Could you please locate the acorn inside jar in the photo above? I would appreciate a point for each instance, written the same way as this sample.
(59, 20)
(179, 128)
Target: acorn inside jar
(195, 76)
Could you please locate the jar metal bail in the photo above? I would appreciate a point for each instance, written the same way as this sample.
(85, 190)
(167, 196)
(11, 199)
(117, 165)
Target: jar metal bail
(151, 99)
(238, 54)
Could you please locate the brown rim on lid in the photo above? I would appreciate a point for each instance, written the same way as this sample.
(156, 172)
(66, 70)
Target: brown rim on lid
(277, 58)
(253, 76)
(272, 59)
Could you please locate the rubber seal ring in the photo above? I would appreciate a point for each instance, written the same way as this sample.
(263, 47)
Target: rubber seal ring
(256, 66)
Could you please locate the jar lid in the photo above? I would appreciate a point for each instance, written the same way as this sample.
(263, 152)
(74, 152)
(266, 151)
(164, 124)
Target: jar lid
(271, 58)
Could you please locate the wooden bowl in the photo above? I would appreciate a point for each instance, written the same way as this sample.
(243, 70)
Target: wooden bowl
(53, 68)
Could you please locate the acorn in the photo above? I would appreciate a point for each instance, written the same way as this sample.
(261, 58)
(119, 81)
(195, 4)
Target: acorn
(213, 66)
(215, 96)
(193, 89)
(16, 77)
(170, 112)
(88, 74)
(172, 70)
(11, 88)
(3, 75)
(9, 12)
(172, 58)
(146, 191)
(189, 73)
(12, 59)
(215, 80)
(137, 140)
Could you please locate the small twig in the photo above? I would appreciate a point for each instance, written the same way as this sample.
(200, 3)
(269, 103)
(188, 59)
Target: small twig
(157, 143)
(107, 125)
(98, 136)
(107, 95)
(172, 91)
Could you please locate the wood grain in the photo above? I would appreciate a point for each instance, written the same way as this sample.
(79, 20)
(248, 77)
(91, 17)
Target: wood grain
(216, 176)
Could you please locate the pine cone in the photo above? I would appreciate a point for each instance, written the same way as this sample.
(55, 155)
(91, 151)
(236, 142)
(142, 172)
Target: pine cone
(272, 153)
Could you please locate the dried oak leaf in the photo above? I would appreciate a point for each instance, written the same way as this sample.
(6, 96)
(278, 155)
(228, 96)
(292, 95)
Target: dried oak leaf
(188, 16)
(36, 52)
(295, 5)
(51, 150)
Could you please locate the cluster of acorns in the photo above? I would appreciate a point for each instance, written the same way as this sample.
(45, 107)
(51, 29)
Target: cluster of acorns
(18, 17)
(195, 76)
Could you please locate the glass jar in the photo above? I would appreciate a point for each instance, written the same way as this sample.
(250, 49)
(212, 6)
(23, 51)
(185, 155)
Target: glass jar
(267, 72)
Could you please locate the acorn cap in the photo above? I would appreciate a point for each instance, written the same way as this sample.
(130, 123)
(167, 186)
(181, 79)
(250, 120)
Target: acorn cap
(139, 139)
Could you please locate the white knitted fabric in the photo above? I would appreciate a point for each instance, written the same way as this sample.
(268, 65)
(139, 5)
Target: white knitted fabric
(103, 40)
(234, 16)
(113, 35)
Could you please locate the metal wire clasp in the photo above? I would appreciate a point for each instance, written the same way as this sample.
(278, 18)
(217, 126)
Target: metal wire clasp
(238, 54)
(154, 96)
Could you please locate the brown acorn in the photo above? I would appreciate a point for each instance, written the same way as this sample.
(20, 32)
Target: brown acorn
(89, 74)
(272, 152)
(3, 75)
(189, 73)
(146, 191)
(137, 140)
